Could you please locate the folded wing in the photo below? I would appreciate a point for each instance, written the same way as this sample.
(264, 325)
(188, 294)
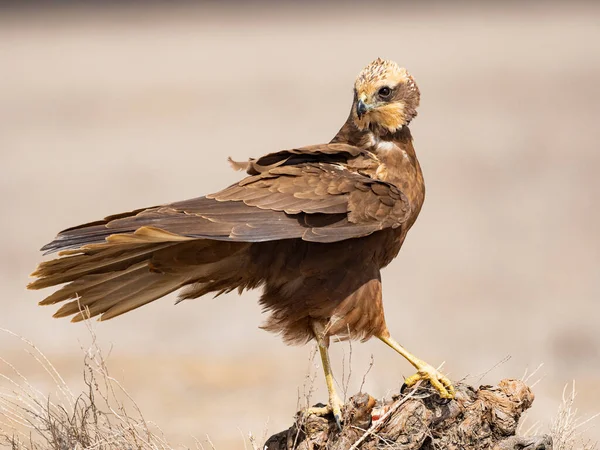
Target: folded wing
(307, 193)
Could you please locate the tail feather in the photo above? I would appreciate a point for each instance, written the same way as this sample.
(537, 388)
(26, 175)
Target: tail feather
(95, 260)
(118, 252)
(87, 285)
(116, 286)
(144, 288)
(149, 294)
(114, 293)
(129, 271)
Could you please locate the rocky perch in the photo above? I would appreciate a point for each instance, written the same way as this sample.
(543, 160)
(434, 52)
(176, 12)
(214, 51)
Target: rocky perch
(484, 418)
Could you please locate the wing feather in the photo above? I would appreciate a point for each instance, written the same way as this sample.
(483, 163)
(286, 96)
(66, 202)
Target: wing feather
(309, 193)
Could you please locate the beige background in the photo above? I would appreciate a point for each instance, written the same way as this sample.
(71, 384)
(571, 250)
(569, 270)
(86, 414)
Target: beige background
(104, 110)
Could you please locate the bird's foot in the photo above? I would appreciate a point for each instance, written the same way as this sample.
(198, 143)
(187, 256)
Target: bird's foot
(334, 407)
(439, 381)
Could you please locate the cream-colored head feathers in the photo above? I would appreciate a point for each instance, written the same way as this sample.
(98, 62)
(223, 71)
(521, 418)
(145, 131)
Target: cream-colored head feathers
(388, 112)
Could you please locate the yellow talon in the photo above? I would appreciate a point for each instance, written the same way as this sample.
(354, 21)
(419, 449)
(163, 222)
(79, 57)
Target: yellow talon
(429, 373)
(424, 371)
(334, 406)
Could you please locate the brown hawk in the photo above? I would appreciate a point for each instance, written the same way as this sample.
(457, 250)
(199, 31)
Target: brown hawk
(311, 226)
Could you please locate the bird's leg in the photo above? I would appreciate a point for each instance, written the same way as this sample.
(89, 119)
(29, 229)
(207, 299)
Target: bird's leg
(335, 404)
(424, 370)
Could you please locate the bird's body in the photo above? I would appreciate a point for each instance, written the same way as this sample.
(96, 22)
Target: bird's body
(313, 226)
(339, 282)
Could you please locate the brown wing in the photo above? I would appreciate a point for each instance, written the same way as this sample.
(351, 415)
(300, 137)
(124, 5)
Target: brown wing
(309, 193)
(130, 259)
(332, 153)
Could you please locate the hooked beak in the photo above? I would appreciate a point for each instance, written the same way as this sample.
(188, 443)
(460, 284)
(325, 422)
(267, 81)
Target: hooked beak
(361, 109)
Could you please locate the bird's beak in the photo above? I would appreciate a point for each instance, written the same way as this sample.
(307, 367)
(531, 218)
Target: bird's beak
(361, 108)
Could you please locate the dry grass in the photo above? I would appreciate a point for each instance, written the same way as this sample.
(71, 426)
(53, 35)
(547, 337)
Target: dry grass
(103, 415)
(568, 428)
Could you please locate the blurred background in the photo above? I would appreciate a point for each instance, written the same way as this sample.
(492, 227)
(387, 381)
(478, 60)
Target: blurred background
(107, 107)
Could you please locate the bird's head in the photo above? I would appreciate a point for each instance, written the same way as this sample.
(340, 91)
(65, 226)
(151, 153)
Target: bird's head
(386, 97)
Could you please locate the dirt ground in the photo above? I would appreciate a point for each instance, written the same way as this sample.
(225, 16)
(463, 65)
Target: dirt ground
(105, 110)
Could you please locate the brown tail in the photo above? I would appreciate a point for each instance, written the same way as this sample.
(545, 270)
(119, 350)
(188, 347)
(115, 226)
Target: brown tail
(129, 271)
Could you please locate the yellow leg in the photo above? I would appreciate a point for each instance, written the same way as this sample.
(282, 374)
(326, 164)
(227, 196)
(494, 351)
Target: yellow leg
(424, 370)
(335, 404)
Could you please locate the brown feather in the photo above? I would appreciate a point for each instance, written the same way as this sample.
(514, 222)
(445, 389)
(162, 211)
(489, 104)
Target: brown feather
(313, 226)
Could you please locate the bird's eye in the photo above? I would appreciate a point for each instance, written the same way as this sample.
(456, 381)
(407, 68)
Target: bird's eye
(384, 92)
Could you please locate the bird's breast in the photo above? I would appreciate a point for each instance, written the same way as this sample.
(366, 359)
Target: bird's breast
(399, 166)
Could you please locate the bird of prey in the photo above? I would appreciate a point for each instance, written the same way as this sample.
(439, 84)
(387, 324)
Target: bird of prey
(311, 226)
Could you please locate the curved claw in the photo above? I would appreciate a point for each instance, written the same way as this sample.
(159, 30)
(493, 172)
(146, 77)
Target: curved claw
(338, 420)
(439, 381)
(334, 407)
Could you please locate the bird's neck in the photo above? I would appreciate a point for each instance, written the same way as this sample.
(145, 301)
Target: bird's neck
(398, 162)
(371, 140)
